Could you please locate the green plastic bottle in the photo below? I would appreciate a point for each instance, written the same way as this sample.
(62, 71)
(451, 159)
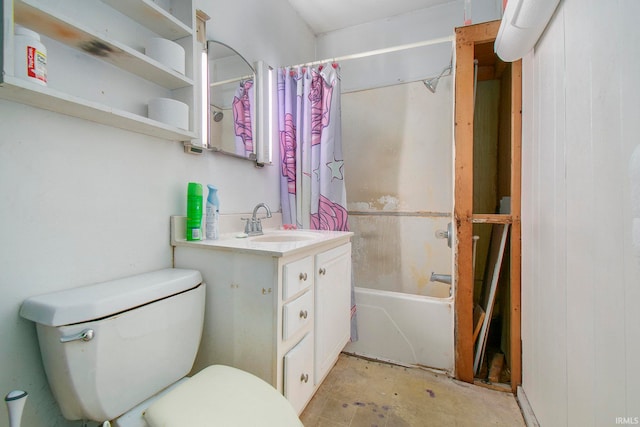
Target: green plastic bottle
(194, 211)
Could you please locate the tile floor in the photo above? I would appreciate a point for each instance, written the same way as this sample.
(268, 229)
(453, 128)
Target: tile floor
(360, 392)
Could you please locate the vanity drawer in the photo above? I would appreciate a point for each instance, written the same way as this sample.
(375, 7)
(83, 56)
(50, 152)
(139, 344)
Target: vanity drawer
(298, 373)
(297, 275)
(296, 314)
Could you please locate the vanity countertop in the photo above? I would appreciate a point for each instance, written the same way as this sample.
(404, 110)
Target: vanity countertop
(274, 242)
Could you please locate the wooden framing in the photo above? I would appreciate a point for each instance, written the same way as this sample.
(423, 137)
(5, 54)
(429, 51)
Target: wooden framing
(516, 227)
(467, 38)
(491, 219)
(463, 209)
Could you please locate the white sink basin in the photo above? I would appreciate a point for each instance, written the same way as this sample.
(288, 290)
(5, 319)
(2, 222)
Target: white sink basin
(283, 236)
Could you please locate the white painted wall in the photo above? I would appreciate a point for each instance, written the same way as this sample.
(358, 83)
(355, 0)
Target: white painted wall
(580, 265)
(83, 203)
(260, 30)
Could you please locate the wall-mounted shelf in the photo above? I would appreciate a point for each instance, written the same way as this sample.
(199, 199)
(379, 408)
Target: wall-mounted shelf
(119, 96)
(42, 97)
(153, 17)
(73, 34)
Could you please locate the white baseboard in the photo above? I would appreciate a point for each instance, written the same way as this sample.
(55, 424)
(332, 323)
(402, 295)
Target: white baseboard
(527, 412)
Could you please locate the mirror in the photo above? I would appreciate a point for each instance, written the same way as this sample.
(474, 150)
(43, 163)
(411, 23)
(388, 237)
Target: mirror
(232, 102)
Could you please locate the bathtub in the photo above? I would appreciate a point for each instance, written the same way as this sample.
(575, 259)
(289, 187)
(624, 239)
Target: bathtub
(405, 329)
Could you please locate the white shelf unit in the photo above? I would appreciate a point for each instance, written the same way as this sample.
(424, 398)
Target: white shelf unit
(95, 62)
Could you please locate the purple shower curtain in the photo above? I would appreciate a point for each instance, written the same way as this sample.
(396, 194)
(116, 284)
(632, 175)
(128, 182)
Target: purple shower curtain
(312, 188)
(242, 118)
(312, 184)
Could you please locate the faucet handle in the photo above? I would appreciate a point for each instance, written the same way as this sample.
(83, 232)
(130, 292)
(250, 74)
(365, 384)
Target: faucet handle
(247, 225)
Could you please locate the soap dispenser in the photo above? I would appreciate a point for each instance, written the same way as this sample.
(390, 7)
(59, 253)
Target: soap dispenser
(212, 214)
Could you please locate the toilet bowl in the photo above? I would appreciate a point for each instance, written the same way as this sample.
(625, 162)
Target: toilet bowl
(224, 394)
(120, 351)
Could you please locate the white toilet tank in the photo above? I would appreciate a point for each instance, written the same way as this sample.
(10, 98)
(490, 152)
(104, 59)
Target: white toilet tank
(141, 334)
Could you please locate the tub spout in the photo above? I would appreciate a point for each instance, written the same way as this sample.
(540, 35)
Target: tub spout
(442, 278)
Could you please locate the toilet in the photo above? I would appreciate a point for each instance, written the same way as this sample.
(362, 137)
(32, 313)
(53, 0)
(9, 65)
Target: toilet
(120, 351)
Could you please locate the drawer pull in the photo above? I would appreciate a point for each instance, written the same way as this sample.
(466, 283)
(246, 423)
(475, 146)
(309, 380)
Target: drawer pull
(304, 378)
(322, 271)
(266, 291)
(303, 276)
(303, 314)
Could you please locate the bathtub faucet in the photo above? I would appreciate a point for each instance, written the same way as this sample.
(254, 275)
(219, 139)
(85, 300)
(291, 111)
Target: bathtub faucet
(442, 278)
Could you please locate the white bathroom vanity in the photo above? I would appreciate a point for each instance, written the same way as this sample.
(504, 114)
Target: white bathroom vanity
(278, 305)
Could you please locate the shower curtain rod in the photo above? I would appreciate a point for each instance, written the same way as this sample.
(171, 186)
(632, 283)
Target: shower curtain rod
(236, 79)
(377, 51)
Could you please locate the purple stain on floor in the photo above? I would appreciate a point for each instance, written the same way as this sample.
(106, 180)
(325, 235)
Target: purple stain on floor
(431, 393)
(359, 404)
(385, 407)
(344, 405)
(380, 415)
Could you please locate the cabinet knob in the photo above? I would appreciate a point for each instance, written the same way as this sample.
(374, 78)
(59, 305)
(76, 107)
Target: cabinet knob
(322, 271)
(303, 276)
(303, 314)
(304, 378)
(266, 291)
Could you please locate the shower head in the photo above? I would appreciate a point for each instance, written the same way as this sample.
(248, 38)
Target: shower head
(432, 83)
(217, 115)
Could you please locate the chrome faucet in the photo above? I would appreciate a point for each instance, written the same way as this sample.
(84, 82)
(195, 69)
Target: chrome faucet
(253, 226)
(442, 278)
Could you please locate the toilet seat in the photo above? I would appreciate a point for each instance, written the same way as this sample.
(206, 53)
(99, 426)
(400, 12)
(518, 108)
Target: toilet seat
(222, 396)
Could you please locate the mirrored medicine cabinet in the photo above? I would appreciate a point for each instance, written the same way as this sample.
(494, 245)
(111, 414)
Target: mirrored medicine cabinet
(241, 101)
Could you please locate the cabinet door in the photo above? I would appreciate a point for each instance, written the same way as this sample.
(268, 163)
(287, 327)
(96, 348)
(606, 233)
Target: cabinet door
(332, 307)
(298, 373)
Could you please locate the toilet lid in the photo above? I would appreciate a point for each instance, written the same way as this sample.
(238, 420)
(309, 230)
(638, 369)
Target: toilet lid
(224, 396)
(100, 300)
